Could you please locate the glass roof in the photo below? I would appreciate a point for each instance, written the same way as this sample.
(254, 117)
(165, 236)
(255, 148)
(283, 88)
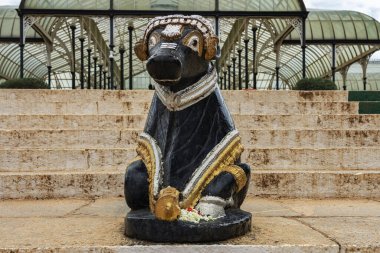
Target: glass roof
(168, 5)
(262, 5)
(176, 5)
(339, 25)
(66, 4)
(10, 25)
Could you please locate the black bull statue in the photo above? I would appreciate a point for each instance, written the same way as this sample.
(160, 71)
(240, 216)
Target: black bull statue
(189, 152)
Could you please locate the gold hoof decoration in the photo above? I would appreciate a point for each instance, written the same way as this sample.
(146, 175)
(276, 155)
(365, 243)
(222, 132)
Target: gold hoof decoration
(167, 207)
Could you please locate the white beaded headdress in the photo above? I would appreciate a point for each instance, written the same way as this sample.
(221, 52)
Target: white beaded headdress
(195, 21)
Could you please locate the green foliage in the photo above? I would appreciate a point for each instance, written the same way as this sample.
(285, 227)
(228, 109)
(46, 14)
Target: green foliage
(24, 83)
(315, 84)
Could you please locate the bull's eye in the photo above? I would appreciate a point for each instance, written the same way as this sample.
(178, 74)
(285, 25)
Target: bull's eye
(153, 40)
(194, 41)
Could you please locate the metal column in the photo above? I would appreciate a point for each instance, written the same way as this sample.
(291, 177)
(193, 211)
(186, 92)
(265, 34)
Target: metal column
(22, 45)
(100, 75)
(303, 42)
(225, 78)
(234, 72)
(254, 30)
(73, 27)
(333, 63)
(239, 66)
(130, 30)
(81, 39)
(229, 76)
(122, 81)
(95, 58)
(246, 63)
(111, 71)
(89, 67)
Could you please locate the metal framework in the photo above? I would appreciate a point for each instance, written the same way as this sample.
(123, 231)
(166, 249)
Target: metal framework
(264, 44)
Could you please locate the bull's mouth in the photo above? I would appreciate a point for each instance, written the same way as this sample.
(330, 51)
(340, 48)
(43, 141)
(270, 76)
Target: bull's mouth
(167, 81)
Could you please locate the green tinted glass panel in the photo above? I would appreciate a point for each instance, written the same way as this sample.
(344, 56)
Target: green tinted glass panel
(361, 30)
(176, 5)
(328, 31)
(349, 30)
(338, 30)
(373, 30)
(260, 5)
(68, 4)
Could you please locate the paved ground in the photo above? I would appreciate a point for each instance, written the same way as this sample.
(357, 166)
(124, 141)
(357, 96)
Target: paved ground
(278, 226)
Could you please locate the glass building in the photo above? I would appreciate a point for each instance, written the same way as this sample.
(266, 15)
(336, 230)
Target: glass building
(265, 44)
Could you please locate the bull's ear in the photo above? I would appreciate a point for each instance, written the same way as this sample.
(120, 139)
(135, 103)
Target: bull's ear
(141, 50)
(211, 48)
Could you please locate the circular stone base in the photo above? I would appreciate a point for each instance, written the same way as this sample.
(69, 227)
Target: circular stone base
(143, 225)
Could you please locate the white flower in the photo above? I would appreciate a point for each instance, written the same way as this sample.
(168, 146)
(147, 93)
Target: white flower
(192, 215)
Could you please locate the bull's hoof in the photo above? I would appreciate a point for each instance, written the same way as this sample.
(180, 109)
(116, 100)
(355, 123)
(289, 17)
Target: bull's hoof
(142, 224)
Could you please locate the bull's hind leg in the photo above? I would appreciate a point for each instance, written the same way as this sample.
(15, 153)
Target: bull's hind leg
(223, 192)
(136, 186)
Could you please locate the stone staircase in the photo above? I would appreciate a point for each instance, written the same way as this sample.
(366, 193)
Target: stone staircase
(76, 144)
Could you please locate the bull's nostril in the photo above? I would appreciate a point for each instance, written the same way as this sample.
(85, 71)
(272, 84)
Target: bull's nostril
(164, 67)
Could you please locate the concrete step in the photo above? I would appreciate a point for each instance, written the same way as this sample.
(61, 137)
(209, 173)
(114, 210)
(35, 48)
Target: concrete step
(37, 160)
(287, 108)
(74, 108)
(72, 122)
(68, 160)
(335, 159)
(79, 95)
(70, 139)
(146, 95)
(286, 96)
(249, 122)
(285, 225)
(310, 138)
(237, 106)
(287, 184)
(316, 184)
(307, 122)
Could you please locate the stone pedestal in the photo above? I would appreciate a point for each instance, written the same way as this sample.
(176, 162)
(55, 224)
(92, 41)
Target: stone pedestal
(143, 225)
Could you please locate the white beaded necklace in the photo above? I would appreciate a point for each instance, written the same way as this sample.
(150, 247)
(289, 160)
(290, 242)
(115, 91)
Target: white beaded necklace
(177, 101)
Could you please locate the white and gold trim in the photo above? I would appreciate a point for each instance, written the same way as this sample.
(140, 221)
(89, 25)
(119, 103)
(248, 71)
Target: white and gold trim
(177, 101)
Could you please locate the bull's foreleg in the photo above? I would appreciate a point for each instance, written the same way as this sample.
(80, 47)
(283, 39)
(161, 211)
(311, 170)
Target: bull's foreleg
(224, 192)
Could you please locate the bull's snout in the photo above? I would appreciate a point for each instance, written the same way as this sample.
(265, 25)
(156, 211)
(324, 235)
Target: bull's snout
(164, 67)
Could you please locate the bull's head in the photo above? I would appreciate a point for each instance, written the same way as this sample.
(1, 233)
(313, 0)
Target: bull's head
(178, 49)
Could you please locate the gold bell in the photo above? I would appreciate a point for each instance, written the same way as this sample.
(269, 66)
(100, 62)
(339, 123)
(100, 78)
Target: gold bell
(167, 207)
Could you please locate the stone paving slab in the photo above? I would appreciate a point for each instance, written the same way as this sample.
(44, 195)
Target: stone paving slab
(331, 207)
(97, 225)
(354, 234)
